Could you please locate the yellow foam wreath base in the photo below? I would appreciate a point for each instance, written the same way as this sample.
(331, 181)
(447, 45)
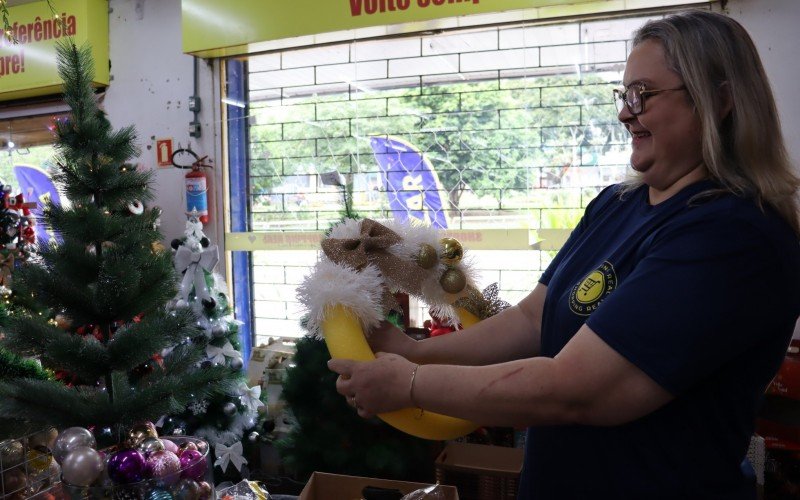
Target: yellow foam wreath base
(345, 339)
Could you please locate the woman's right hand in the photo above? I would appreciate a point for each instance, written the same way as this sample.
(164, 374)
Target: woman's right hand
(387, 337)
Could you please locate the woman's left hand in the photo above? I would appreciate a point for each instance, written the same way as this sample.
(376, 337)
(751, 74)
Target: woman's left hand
(373, 387)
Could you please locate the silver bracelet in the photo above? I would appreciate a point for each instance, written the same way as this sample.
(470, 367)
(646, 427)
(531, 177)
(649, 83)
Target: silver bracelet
(411, 389)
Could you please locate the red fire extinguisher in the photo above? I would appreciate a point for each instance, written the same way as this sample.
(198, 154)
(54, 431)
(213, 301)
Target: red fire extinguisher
(196, 185)
(197, 194)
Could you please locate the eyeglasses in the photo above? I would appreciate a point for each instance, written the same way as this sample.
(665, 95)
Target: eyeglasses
(633, 97)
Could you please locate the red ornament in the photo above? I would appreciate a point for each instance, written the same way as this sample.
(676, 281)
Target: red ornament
(18, 203)
(98, 333)
(158, 359)
(29, 234)
(68, 378)
(437, 327)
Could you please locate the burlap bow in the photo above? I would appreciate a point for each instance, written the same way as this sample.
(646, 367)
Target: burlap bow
(194, 263)
(371, 247)
(373, 240)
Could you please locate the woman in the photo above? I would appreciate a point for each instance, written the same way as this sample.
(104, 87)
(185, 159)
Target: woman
(639, 359)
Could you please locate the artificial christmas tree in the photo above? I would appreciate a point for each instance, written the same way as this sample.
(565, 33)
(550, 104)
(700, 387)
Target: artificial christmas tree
(330, 437)
(228, 421)
(101, 321)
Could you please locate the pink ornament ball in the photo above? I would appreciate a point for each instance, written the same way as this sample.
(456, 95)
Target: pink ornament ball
(187, 445)
(164, 466)
(193, 465)
(170, 446)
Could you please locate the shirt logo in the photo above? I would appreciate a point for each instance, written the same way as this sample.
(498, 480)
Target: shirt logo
(586, 296)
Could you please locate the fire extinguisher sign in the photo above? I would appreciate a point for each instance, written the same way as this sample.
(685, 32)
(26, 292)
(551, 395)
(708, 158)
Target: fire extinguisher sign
(164, 152)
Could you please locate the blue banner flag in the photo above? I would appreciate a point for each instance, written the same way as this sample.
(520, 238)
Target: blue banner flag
(36, 186)
(410, 182)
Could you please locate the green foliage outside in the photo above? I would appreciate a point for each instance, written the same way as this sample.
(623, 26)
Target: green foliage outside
(507, 144)
(40, 156)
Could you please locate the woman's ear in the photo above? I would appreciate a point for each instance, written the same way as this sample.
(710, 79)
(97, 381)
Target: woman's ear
(725, 101)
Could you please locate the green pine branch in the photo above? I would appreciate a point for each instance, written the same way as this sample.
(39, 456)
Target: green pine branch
(13, 366)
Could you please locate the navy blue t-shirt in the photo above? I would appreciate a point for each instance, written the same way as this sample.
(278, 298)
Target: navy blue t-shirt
(700, 293)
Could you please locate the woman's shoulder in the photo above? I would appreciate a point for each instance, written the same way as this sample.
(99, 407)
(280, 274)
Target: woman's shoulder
(743, 216)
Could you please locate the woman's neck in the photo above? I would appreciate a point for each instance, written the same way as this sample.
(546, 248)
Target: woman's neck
(656, 196)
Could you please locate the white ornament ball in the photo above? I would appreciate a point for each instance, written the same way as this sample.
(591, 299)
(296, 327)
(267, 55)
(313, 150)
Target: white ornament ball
(82, 466)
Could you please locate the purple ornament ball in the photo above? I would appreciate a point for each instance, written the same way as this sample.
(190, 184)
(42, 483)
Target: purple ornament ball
(193, 465)
(126, 466)
(164, 466)
(170, 446)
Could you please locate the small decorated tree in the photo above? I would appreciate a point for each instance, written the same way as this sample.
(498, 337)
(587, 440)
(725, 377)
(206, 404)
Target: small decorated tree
(227, 420)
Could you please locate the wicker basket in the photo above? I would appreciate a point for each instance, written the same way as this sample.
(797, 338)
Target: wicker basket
(480, 472)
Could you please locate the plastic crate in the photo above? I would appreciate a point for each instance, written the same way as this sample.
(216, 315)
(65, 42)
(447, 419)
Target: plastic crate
(480, 472)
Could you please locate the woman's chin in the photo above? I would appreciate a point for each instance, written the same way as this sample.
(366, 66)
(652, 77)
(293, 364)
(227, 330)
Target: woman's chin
(639, 165)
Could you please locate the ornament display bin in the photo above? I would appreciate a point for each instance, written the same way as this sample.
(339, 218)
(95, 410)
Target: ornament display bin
(174, 486)
(480, 472)
(27, 468)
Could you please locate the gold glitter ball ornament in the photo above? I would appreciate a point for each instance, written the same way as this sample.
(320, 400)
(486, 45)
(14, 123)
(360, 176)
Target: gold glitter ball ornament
(38, 460)
(46, 438)
(63, 322)
(139, 432)
(453, 280)
(427, 257)
(452, 251)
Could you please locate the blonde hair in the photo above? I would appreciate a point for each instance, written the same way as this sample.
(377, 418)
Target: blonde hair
(745, 152)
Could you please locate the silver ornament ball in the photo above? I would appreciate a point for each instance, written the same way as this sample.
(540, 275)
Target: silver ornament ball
(69, 439)
(229, 409)
(12, 453)
(150, 445)
(82, 466)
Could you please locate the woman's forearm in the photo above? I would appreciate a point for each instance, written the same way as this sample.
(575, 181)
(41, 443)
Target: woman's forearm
(512, 334)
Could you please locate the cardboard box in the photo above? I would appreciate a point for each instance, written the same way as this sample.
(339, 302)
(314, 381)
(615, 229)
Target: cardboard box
(267, 360)
(324, 486)
(480, 472)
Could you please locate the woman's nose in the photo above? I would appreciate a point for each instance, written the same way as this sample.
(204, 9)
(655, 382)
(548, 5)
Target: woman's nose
(624, 114)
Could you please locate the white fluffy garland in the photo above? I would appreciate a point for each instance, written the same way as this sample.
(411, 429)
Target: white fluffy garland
(331, 284)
